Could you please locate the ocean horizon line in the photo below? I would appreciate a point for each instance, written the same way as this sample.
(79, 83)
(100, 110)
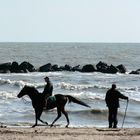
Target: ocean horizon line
(75, 42)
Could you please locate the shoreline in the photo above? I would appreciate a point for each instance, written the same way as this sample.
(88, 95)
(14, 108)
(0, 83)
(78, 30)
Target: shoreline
(72, 133)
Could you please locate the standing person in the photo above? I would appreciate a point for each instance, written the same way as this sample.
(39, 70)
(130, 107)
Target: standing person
(48, 89)
(112, 102)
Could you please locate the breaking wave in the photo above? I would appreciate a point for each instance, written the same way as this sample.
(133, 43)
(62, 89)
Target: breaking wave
(68, 86)
(19, 83)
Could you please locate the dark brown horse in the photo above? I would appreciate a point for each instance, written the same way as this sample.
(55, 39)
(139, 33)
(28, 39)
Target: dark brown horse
(58, 101)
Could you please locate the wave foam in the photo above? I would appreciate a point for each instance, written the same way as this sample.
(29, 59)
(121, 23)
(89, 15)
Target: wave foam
(19, 83)
(69, 86)
(6, 95)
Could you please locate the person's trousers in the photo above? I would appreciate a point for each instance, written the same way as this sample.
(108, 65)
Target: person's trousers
(112, 118)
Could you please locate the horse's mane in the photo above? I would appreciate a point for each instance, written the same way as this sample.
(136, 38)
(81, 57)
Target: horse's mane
(32, 88)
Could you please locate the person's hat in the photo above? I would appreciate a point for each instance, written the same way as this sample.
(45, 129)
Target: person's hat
(46, 77)
(114, 86)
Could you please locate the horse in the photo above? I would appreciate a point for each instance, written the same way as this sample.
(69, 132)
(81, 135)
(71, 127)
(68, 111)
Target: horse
(57, 101)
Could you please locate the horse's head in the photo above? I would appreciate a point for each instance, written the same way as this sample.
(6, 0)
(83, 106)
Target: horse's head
(24, 91)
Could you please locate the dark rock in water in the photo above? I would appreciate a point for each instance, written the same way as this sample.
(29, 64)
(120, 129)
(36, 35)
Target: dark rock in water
(121, 68)
(105, 68)
(112, 69)
(15, 67)
(46, 68)
(101, 64)
(138, 70)
(55, 68)
(67, 67)
(88, 68)
(5, 67)
(135, 72)
(26, 67)
(62, 68)
(102, 67)
(77, 68)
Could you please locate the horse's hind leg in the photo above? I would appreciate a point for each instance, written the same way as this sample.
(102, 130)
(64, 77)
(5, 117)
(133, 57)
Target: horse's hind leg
(58, 116)
(43, 121)
(66, 115)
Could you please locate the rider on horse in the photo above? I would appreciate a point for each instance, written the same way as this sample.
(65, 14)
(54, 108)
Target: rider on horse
(48, 89)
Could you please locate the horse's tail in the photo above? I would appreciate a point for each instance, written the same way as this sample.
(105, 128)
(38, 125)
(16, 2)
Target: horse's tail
(75, 100)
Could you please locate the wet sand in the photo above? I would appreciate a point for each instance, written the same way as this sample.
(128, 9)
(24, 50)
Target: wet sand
(43, 133)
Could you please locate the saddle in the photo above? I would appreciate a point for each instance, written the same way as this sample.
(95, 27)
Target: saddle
(51, 99)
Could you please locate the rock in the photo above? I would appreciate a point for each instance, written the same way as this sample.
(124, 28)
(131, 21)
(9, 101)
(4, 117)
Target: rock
(134, 72)
(112, 69)
(62, 68)
(55, 68)
(15, 67)
(67, 67)
(105, 68)
(77, 68)
(26, 67)
(88, 68)
(5, 67)
(121, 68)
(46, 68)
(138, 70)
(102, 67)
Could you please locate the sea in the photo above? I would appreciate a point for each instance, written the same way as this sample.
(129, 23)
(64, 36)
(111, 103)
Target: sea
(88, 87)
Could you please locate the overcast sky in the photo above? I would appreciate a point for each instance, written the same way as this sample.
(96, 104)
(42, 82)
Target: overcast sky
(70, 20)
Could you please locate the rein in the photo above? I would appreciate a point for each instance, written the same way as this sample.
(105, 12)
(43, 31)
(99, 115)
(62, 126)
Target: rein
(25, 101)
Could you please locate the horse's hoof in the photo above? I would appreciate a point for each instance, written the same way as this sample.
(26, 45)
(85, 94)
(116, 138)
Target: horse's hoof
(51, 125)
(66, 126)
(33, 126)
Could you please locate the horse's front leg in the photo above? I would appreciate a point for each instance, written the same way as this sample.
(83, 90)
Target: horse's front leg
(38, 113)
(35, 121)
(35, 118)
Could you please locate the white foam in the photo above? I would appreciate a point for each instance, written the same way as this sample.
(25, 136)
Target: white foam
(6, 95)
(68, 86)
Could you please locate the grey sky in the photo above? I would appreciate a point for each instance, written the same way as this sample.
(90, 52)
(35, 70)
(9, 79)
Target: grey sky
(70, 20)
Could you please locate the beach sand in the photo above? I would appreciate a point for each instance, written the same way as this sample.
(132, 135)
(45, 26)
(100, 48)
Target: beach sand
(45, 133)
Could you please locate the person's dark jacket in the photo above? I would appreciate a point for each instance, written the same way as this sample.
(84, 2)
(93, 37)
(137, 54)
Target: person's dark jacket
(112, 98)
(48, 89)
